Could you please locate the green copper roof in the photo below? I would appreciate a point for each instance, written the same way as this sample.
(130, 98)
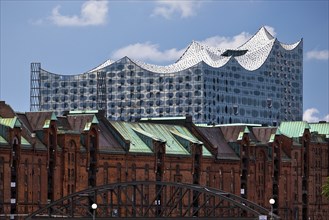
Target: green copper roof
(173, 146)
(141, 135)
(320, 128)
(88, 124)
(47, 121)
(190, 139)
(240, 136)
(245, 131)
(186, 132)
(272, 138)
(46, 124)
(144, 133)
(146, 137)
(10, 122)
(53, 117)
(95, 120)
(206, 152)
(24, 142)
(137, 145)
(3, 141)
(293, 128)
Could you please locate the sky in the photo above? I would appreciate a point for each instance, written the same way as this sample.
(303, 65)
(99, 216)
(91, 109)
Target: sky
(72, 37)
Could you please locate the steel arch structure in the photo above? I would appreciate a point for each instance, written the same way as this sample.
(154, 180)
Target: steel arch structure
(153, 200)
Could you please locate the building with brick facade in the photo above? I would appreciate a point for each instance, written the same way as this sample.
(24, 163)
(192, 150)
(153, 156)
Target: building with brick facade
(259, 82)
(44, 157)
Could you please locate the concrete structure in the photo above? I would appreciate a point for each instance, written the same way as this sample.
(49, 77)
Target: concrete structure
(258, 82)
(45, 157)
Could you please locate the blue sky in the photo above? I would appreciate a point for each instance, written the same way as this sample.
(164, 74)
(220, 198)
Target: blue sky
(70, 37)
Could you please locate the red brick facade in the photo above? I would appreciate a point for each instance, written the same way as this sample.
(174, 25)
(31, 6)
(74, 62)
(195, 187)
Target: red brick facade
(44, 158)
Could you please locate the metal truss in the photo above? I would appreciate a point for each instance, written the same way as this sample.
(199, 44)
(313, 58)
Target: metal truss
(35, 87)
(150, 199)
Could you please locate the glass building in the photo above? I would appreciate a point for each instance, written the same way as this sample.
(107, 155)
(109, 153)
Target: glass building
(259, 82)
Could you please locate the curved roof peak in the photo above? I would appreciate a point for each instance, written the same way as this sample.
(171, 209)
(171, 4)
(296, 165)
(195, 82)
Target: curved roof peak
(106, 63)
(250, 55)
(261, 38)
(196, 47)
(264, 31)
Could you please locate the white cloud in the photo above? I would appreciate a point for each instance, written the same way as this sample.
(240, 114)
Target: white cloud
(147, 52)
(317, 55)
(310, 115)
(92, 13)
(168, 8)
(227, 42)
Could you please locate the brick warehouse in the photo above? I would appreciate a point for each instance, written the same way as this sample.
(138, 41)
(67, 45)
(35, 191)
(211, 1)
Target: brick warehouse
(45, 157)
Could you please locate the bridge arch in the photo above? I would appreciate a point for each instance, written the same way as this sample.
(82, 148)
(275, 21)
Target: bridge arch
(151, 199)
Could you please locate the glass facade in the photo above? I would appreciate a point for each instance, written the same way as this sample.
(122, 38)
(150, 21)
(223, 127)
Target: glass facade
(229, 93)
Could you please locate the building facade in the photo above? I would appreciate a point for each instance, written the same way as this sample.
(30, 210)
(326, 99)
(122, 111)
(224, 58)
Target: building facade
(44, 157)
(258, 82)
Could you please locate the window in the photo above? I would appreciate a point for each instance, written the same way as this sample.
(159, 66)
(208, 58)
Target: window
(269, 103)
(235, 110)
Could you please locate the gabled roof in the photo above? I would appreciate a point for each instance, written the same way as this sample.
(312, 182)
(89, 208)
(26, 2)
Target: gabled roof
(6, 111)
(107, 141)
(264, 135)
(28, 132)
(38, 120)
(234, 132)
(216, 138)
(63, 125)
(81, 122)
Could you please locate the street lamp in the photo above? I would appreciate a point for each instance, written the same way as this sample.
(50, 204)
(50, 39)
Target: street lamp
(272, 201)
(94, 207)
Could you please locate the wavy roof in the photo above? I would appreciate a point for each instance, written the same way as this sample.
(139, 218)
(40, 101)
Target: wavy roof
(251, 55)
